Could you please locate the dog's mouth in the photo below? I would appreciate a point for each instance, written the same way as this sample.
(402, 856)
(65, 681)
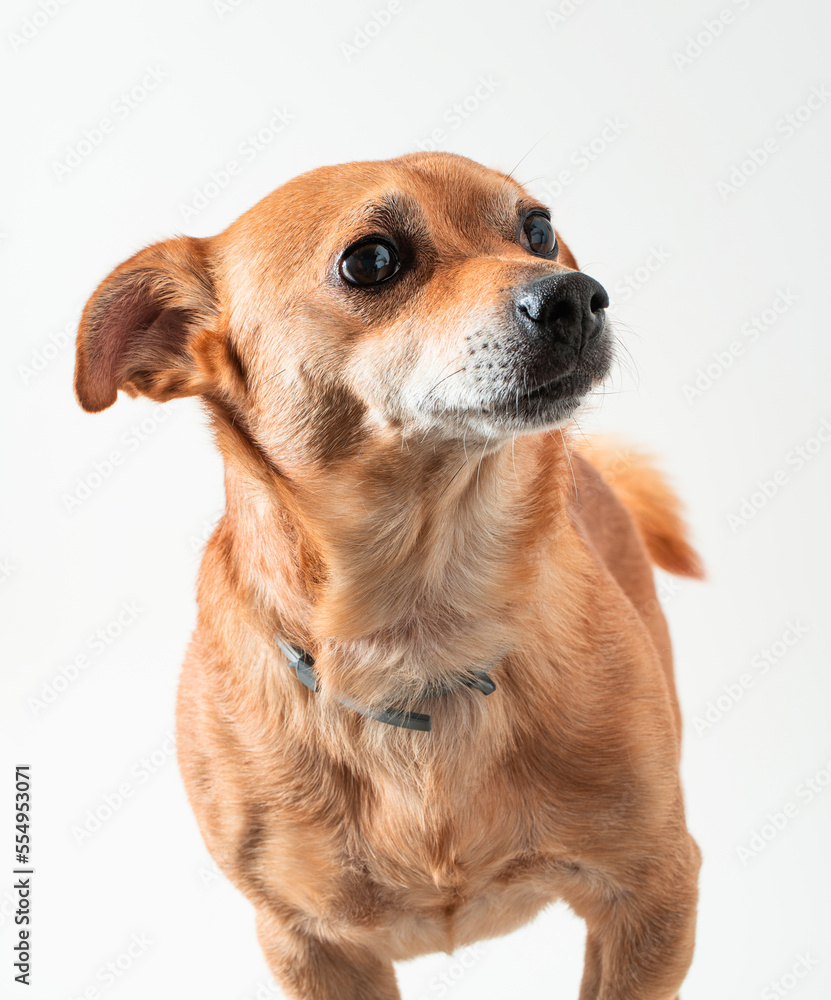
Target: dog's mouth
(552, 401)
(518, 388)
(572, 385)
(553, 398)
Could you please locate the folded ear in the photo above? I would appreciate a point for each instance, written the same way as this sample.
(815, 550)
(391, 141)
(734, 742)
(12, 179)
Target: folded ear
(139, 328)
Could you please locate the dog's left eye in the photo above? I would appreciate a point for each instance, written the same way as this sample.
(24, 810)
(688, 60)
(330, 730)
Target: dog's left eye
(369, 264)
(538, 235)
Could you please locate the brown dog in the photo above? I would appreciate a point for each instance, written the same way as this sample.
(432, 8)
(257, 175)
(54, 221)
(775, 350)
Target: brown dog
(430, 690)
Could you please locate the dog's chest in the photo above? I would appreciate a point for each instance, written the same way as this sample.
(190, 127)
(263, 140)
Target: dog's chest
(433, 871)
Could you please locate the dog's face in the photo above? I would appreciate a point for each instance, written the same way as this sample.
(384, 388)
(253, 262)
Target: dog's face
(425, 295)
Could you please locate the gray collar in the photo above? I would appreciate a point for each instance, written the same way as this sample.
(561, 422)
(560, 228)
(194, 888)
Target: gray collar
(302, 663)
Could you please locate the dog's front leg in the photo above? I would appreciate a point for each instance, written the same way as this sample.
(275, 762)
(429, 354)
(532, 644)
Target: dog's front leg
(308, 968)
(640, 941)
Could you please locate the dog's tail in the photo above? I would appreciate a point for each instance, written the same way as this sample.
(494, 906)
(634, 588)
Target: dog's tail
(654, 507)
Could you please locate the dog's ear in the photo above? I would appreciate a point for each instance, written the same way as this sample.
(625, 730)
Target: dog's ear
(565, 256)
(138, 329)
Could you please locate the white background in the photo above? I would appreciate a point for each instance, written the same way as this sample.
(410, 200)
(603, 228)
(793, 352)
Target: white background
(726, 257)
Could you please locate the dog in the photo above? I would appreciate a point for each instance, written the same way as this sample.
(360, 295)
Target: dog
(430, 690)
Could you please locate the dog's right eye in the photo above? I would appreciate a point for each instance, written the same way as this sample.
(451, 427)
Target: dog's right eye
(369, 263)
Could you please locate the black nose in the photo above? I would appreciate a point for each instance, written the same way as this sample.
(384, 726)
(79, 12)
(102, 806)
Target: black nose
(569, 308)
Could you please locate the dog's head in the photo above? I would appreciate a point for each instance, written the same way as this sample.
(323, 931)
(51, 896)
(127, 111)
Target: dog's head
(424, 295)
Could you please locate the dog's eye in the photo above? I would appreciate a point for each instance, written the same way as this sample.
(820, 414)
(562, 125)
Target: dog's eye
(538, 235)
(369, 264)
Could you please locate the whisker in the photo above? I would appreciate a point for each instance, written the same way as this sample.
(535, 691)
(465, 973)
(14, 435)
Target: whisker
(442, 380)
(543, 136)
(479, 466)
(456, 473)
(568, 456)
(270, 377)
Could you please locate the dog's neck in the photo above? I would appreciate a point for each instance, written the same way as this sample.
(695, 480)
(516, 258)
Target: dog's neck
(401, 567)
